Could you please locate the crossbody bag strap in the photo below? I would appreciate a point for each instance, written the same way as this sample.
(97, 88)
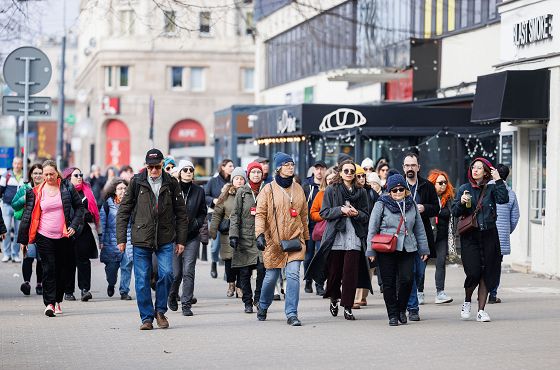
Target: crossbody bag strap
(274, 211)
(400, 224)
(479, 204)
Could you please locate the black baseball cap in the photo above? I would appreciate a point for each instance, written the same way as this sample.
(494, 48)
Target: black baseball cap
(320, 164)
(262, 160)
(154, 156)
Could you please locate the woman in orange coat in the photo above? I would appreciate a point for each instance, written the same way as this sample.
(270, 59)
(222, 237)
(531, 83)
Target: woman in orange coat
(318, 201)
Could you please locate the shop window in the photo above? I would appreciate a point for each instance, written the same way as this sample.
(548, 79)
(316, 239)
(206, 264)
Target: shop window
(169, 22)
(176, 76)
(123, 76)
(537, 174)
(204, 20)
(197, 79)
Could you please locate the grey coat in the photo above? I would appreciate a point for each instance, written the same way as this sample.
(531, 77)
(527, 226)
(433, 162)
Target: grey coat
(242, 226)
(385, 222)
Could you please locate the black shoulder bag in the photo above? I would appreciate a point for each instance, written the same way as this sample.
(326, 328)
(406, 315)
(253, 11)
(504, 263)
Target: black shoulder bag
(292, 245)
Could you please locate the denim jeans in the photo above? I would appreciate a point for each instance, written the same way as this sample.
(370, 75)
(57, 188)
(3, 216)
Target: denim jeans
(419, 270)
(142, 274)
(215, 248)
(112, 270)
(184, 270)
(292, 288)
(10, 248)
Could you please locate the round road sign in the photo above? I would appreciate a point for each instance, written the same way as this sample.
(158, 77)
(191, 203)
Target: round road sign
(40, 70)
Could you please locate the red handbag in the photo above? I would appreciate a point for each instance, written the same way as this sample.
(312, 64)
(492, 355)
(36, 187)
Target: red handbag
(318, 231)
(386, 243)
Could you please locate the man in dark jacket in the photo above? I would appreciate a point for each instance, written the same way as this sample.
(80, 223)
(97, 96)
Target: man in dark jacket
(9, 185)
(311, 188)
(3, 230)
(425, 196)
(184, 264)
(155, 207)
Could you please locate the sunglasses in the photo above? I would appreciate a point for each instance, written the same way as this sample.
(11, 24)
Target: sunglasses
(78, 175)
(368, 169)
(348, 171)
(397, 190)
(188, 169)
(169, 168)
(360, 176)
(441, 183)
(155, 166)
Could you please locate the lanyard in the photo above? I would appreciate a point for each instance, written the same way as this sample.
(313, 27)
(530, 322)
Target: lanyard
(415, 190)
(311, 190)
(403, 213)
(187, 196)
(253, 194)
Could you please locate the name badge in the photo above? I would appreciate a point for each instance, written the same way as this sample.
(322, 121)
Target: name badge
(253, 211)
(293, 212)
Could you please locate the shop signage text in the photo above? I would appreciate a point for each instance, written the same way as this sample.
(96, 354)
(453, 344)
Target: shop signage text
(343, 118)
(532, 30)
(110, 105)
(286, 123)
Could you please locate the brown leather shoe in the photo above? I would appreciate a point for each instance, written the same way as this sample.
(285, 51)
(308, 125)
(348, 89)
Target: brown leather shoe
(161, 320)
(146, 326)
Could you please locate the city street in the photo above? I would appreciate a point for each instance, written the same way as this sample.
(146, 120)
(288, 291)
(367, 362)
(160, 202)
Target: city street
(103, 333)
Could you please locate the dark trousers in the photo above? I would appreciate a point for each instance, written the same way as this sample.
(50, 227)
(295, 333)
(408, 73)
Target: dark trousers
(27, 269)
(393, 265)
(81, 253)
(441, 254)
(245, 282)
(54, 256)
(343, 272)
(231, 273)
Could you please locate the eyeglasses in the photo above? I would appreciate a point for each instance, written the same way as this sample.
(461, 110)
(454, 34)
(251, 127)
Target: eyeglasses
(441, 183)
(360, 176)
(78, 175)
(368, 169)
(188, 169)
(123, 188)
(289, 164)
(169, 168)
(255, 172)
(397, 190)
(410, 165)
(349, 171)
(154, 167)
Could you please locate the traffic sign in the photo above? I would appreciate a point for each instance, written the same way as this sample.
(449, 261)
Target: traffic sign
(15, 106)
(40, 70)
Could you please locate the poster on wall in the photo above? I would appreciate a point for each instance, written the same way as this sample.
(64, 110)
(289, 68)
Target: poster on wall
(506, 152)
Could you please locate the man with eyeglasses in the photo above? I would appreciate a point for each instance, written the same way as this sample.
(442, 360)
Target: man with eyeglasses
(9, 185)
(155, 207)
(425, 195)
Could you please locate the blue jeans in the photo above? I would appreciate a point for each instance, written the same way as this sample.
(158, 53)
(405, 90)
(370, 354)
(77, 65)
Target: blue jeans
(143, 272)
(418, 273)
(292, 288)
(10, 247)
(112, 270)
(215, 248)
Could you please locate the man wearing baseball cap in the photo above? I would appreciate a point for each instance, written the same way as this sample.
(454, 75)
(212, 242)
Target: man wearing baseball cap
(265, 163)
(155, 207)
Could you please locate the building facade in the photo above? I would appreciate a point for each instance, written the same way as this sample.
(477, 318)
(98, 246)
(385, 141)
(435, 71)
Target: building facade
(153, 75)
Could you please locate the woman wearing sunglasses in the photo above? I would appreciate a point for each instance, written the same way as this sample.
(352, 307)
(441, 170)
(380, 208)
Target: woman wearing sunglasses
(341, 256)
(35, 178)
(395, 208)
(440, 225)
(480, 247)
(86, 241)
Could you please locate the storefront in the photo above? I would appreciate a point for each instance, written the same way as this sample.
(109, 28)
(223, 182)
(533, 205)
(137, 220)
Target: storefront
(443, 136)
(520, 96)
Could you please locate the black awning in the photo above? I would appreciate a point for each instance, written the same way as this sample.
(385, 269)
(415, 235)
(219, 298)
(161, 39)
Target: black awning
(512, 95)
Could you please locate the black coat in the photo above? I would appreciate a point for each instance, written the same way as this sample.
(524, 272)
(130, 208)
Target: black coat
(71, 205)
(331, 211)
(429, 199)
(196, 207)
(310, 189)
(2, 225)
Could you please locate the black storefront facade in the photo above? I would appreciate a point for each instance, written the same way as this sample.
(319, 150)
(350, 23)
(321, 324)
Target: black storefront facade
(444, 137)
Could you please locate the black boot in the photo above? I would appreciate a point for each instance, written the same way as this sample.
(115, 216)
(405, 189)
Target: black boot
(308, 286)
(214, 271)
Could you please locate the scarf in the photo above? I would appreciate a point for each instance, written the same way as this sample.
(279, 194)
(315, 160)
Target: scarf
(255, 186)
(186, 187)
(392, 205)
(92, 203)
(284, 182)
(343, 194)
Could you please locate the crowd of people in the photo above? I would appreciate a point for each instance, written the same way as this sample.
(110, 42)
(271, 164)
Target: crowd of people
(345, 224)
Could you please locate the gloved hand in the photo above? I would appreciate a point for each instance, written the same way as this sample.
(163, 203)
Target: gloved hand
(233, 241)
(261, 243)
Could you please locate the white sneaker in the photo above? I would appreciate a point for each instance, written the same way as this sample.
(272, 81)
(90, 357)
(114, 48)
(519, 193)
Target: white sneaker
(466, 311)
(16, 259)
(5, 258)
(420, 298)
(482, 316)
(57, 309)
(49, 311)
(441, 297)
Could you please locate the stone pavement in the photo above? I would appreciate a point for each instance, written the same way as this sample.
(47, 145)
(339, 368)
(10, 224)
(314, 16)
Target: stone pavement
(103, 333)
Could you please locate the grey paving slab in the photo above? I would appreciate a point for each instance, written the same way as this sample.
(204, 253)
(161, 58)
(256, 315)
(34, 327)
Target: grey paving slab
(103, 333)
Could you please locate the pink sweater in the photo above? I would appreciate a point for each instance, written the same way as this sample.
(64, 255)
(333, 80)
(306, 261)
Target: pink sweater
(52, 216)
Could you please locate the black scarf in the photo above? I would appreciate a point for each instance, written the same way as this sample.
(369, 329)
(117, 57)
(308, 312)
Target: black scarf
(392, 205)
(186, 187)
(284, 182)
(343, 194)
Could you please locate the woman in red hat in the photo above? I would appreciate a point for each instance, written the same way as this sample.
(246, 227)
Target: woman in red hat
(480, 246)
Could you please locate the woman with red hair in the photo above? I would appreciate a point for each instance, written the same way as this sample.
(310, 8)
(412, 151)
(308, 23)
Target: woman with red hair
(440, 225)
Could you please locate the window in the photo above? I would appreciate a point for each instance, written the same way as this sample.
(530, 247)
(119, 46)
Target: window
(205, 23)
(126, 22)
(176, 77)
(169, 21)
(108, 77)
(197, 79)
(537, 174)
(249, 23)
(248, 79)
(123, 76)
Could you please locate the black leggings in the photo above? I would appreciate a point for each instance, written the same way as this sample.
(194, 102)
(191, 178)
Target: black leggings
(27, 269)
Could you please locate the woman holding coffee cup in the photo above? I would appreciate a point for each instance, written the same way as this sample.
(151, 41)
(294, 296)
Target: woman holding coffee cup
(480, 246)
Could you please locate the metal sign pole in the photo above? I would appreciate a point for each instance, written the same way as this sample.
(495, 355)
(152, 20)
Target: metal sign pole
(26, 119)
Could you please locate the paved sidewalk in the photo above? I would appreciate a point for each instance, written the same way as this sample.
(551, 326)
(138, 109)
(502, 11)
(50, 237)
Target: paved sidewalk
(103, 333)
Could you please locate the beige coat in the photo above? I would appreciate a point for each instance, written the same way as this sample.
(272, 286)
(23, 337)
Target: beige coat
(223, 211)
(288, 227)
